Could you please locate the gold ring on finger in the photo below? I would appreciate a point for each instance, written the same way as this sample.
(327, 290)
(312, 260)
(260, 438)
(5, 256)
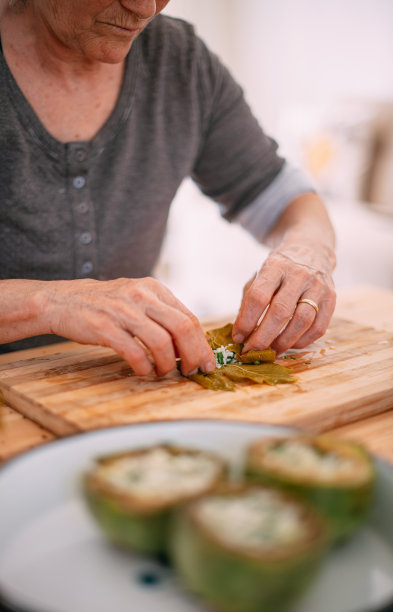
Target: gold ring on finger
(309, 302)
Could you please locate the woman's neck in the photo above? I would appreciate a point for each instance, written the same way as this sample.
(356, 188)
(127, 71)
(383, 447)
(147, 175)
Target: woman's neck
(71, 96)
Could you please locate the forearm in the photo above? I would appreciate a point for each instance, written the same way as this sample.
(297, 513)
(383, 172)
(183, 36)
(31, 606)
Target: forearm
(22, 309)
(304, 233)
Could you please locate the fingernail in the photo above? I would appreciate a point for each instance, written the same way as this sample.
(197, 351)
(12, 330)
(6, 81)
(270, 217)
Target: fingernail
(238, 338)
(209, 366)
(194, 371)
(249, 347)
(146, 371)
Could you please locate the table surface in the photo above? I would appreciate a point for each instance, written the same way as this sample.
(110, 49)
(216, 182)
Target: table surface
(366, 305)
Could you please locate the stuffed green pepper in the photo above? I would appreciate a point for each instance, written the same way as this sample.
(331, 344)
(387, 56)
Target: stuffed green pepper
(336, 476)
(248, 548)
(132, 494)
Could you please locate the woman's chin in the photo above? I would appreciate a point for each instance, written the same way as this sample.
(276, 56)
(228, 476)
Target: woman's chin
(108, 52)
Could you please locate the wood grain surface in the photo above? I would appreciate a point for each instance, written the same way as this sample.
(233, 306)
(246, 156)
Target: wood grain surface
(376, 433)
(19, 434)
(344, 377)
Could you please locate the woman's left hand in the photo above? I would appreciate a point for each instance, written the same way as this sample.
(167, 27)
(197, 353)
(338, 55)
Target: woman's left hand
(293, 272)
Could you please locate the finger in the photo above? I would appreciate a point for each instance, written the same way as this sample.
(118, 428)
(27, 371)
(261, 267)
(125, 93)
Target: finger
(255, 300)
(320, 325)
(182, 333)
(158, 341)
(129, 349)
(279, 313)
(189, 339)
(249, 283)
(303, 318)
(89, 327)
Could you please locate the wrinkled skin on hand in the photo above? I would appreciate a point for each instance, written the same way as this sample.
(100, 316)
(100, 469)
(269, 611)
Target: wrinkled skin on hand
(288, 275)
(134, 317)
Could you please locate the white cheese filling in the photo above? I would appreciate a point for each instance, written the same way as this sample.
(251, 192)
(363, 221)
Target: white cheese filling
(160, 474)
(224, 356)
(256, 520)
(303, 460)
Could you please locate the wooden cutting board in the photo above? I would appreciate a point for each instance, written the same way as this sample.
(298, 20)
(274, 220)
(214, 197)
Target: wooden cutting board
(344, 377)
(19, 434)
(375, 433)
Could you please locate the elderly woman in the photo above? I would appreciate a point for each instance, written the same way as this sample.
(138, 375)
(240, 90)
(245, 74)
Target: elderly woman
(105, 108)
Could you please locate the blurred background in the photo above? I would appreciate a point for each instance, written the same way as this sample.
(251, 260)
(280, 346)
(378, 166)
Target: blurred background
(319, 77)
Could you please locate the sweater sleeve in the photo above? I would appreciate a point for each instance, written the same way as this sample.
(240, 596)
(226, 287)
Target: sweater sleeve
(260, 216)
(238, 164)
(237, 161)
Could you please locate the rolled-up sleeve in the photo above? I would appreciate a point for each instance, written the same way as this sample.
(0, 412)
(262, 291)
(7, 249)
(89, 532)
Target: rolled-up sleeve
(260, 216)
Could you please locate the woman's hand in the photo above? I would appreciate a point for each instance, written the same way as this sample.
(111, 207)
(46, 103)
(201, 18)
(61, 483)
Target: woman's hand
(299, 268)
(130, 316)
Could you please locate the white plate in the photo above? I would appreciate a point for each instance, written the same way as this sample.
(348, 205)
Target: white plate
(54, 559)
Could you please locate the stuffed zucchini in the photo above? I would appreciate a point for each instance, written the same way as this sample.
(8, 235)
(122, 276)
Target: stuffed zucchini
(337, 477)
(247, 549)
(132, 494)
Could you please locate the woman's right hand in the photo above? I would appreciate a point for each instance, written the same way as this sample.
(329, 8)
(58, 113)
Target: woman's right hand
(132, 316)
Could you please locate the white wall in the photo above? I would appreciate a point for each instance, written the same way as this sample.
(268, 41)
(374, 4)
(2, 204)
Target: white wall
(212, 20)
(299, 52)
